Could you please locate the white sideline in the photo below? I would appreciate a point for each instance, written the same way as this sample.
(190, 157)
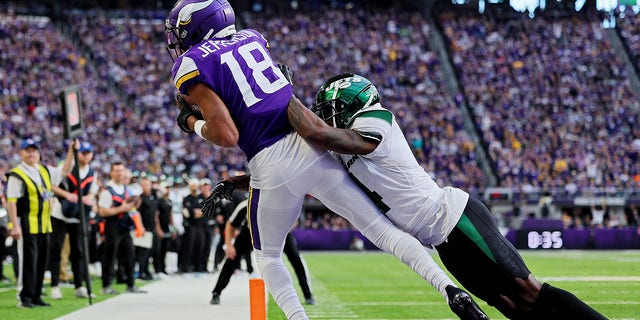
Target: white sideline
(177, 297)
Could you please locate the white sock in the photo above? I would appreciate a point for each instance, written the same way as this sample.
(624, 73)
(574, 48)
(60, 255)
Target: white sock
(410, 251)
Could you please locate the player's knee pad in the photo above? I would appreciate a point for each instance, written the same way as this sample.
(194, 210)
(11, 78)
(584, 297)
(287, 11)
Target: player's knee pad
(268, 259)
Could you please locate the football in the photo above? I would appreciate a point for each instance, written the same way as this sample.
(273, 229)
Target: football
(198, 112)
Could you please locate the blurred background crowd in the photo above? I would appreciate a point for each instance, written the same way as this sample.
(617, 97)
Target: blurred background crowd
(551, 102)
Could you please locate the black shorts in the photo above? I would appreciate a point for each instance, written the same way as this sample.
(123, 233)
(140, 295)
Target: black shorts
(481, 258)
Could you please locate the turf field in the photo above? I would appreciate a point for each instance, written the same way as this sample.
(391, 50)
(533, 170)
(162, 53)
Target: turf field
(9, 302)
(375, 286)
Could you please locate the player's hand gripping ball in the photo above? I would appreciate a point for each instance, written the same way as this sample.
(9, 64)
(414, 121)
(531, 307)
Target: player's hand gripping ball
(187, 110)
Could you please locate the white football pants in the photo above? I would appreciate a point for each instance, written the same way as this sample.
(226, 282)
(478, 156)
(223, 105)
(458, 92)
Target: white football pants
(281, 176)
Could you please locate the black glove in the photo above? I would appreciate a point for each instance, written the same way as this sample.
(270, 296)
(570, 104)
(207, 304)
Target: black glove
(222, 190)
(288, 73)
(186, 110)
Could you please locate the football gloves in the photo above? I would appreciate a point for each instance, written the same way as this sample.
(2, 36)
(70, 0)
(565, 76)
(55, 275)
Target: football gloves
(288, 73)
(186, 110)
(222, 190)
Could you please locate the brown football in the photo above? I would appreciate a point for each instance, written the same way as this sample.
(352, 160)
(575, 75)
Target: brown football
(196, 109)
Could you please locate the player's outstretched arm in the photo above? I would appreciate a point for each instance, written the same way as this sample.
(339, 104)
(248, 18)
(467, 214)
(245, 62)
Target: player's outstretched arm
(315, 130)
(219, 127)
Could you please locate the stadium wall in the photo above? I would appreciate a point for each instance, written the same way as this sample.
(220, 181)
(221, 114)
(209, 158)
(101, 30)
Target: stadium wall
(540, 235)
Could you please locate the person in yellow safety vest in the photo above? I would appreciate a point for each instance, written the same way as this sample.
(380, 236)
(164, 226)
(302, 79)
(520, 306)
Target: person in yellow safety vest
(30, 188)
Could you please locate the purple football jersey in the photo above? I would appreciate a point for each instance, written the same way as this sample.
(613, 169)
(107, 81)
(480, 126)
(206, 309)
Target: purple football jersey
(240, 70)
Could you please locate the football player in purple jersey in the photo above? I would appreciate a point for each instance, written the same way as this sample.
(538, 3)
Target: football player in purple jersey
(243, 98)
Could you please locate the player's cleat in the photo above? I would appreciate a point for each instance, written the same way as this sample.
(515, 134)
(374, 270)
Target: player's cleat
(215, 298)
(463, 305)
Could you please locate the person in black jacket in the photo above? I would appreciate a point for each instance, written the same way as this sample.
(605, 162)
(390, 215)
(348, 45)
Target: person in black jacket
(195, 228)
(148, 211)
(166, 231)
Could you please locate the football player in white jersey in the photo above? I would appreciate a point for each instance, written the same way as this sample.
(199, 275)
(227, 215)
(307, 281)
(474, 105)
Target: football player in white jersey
(350, 121)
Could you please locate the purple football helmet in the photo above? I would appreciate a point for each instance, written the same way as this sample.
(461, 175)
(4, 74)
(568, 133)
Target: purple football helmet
(192, 21)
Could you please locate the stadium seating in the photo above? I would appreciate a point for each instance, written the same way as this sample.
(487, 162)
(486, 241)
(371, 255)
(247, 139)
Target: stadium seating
(551, 99)
(629, 28)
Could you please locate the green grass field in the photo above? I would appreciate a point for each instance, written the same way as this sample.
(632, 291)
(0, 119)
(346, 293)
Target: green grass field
(9, 302)
(376, 286)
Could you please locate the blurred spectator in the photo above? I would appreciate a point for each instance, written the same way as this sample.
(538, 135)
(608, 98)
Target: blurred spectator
(632, 215)
(30, 190)
(598, 212)
(563, 73)
(629, 27)
(65, 220)
(195, 229)
(115, 209)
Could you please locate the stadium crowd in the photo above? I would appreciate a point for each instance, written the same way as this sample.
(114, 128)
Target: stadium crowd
(130, 53)
(629, 28)
(552, 100)
(396, 56)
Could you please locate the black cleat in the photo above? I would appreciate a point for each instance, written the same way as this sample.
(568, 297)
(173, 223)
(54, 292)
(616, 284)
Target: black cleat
(215, 298)
(463, 305)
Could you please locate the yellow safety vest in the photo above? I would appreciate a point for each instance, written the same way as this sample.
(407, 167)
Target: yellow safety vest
(34, 207)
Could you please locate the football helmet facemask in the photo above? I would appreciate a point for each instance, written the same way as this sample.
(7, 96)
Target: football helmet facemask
(192, 21)
(342, 96)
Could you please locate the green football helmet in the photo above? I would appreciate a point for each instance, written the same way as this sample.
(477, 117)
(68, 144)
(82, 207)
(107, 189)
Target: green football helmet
(342, 96)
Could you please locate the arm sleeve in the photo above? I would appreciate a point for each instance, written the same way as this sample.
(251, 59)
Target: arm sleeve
(15, 188)
(56, 175)
(375, 126)
(94, 185)
(105, 200)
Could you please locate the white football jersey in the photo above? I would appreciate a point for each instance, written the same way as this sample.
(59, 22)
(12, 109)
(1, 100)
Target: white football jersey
(401, 188)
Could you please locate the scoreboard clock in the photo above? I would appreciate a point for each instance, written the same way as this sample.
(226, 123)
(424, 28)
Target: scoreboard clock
(539, 239)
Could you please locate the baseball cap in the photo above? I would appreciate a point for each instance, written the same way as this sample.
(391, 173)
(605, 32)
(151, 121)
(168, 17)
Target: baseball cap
(205, 181)
(86, 147)
(26, 143)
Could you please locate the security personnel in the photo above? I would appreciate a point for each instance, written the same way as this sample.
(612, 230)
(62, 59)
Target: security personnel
(30, 187)
(114, 208)
(66, 220)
